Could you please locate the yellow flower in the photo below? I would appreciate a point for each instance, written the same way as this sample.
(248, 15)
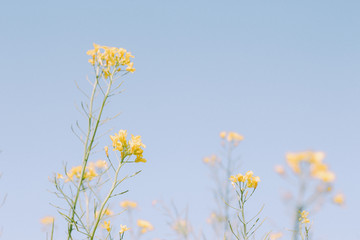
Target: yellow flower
(233, 136)
(339, 199)
(253, 182)
(47, 220)
(123, 228)
(101, 164)
(279, 169)
(59, 176)
(233, 179)
(275, 236)
(128, 204)
(136, 144)
(119, 140)
(303, 217)
(108, 212)
(326, 176)
(140, 159)
(106, 151)
(135, 148)
(223, 134)
(74, 171)
(130, 68)
(240, 178)
(293, 160)
(248, 175)
(212, 160)
(109, 59)
(145, 226)
(106, 225)
(316, 157)
(249, 178)
(90, 173)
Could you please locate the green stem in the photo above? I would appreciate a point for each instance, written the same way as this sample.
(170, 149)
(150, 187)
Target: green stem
(88, 146)
(114, 185)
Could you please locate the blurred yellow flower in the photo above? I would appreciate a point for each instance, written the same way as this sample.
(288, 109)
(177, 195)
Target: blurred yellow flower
(106, 225)
(106, 151)
(275, 236)
(240, 178)
(223, 134)
(339, 199)
(59, 176)
(279, 169)
(233, 136)
(253, 182)
(130, 67)
(123, 228)
(303, 217)
(128, 204)
(318, 169)
(101, 164)
(145, 226)
(212, 160)
(248, 175)
(47, 220)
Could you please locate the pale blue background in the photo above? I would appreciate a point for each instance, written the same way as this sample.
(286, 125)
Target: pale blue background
(285, 74)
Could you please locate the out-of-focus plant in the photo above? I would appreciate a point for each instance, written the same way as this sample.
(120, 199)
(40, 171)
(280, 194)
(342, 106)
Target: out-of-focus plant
(88, 188)
(312, 179)
(304, 225)
(221, 169)
(139, 228)
(178, 221)
(245, 186)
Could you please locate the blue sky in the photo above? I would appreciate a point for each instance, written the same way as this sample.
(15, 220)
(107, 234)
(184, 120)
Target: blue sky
(282, 73)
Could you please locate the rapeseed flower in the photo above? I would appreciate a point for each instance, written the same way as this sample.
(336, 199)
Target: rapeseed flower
(101, 164)
(106, 225)
(128, 204)
(212, 160)
(279, 169)
(123, 228)
(303, 217)
(127, 148)
(249, 179)
(110, 59)
(339, 199)
(145, 226)
(47, 220)
(275, 236)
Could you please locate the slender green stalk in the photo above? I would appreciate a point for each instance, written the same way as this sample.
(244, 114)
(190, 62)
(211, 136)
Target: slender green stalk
(88, 146)
(114, 185)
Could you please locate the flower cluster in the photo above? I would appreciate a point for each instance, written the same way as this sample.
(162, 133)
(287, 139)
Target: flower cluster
(248, 179)
(90, 172)
(123, 228)
(47, 220)
(318, 169)
(127, 148)
(128, 204)
(145, 226)
(106, 225)
(303, 217)
(231, 137)
(211, 160)
(339, 199)
(110, 59)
